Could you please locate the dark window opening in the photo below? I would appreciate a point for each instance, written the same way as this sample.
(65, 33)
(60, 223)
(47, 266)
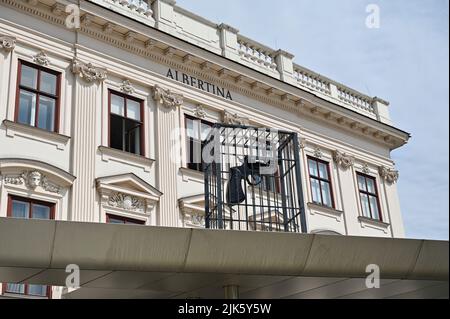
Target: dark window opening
(320, 181)
(368, 194)
(197, 132)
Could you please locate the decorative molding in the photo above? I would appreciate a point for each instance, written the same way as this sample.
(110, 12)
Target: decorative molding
(126, 202)
(318, 152)
(390, 175)
(373, 223)
(200, 111)
(111, 154)
(41, 58)
(88, 72)
(302, 143)
(33, 179)
(127, 87)
(316, 209)
(166, 97)
(34, 133)
(7, 43)
(343, 160)
(365, 168)
(234, 119)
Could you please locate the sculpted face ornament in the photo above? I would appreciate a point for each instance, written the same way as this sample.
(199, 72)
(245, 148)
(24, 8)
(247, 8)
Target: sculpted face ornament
(34, 179)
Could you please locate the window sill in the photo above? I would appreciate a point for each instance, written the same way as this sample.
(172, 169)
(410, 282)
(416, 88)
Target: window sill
(22, 296)
(111, 154)
(191, 175)
(325, 211)
(30, 132)
(373, 223)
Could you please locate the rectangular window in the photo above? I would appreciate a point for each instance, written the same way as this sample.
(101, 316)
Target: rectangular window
(126, 125)
(37, 101)
(113, 219)
(27, 208)
(320, 180)
(368, 194)
(197, 131)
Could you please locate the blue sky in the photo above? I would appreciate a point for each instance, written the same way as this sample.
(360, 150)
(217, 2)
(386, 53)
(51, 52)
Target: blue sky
(405, 61)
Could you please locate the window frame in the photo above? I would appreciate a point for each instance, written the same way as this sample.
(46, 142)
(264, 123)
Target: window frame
(318, 178)
(133, 221)
(188, 151)
(38, 93)
(31, 201)
(142, 121)
(368, 194)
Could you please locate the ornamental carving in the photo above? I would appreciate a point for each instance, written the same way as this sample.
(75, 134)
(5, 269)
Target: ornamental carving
(318, 152)
(126, 202)
(127, 87)
(88, 72)
(389, 175)
(41, 58)
(365, 168)
(7, 43)
(195, 219)
(33, 179)
(234, 119)
(200, 112)
(166, 97)
(343, 160)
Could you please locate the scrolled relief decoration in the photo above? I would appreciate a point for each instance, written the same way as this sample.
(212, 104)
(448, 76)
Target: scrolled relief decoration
(390, 175)
(33, 179)
(166, 97)
(318, 152)
(234, 119)
(126, 202)
(127, 87)
(365, 168)
(200, 111)
(41, 58)
(88, 72)
(7, 43)
(343, 160)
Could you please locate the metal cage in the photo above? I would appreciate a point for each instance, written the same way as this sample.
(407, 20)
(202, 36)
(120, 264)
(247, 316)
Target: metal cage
(253, 180)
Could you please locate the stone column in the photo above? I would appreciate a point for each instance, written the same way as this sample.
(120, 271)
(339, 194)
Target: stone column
(87, 98)
(166, 124)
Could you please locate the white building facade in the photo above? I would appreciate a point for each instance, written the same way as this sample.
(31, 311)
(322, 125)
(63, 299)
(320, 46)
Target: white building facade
(98, 120)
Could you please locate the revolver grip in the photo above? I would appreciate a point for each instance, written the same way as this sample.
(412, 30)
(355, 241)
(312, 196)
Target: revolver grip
(235, 193)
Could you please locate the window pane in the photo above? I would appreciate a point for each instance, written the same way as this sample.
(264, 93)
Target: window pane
(133, 110)
(15, 288)
(37, 290)
(206, 128)
(313, 168)
(374, 207)
(48, 83)
(371, 186)
(40, 211)
(326, 194)
(365, 205)
(20, 209)
(362, 183)
(27, 108)
(192, 129)
(46, 115)
(29, 77)
(117, 133)
(323, 171)
(132, 137)
(117, 105)
(315, 186)
(112, 220)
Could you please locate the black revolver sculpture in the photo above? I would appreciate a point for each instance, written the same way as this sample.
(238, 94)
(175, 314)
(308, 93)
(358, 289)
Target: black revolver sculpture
(249, 171)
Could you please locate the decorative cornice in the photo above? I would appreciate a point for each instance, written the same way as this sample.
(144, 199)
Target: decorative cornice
(343, 160)
(88, 72)
(33, 179)
(41, 58)
(234, 119)
(390, 175)
(166, 97)
(127, 87)
(7, 43)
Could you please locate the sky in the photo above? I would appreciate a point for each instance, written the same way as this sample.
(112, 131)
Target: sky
(404, 61)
